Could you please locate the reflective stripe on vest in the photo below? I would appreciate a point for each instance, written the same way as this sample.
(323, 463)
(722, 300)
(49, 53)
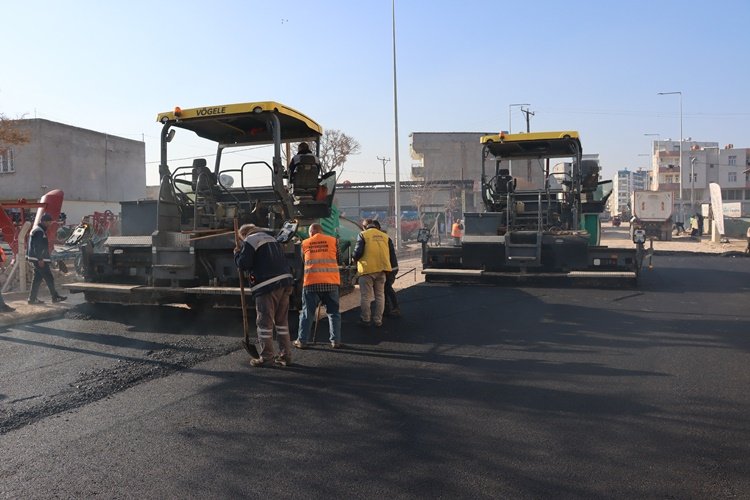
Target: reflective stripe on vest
(321, 266)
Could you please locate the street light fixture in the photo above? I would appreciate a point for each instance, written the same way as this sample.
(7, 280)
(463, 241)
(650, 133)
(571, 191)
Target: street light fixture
(679, 166)
(510, 121)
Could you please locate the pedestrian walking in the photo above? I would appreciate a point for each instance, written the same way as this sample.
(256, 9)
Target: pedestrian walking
(373, 262)
(321, 285)
(271, 286)
(38, 255)
(679, 225)
(3, 306)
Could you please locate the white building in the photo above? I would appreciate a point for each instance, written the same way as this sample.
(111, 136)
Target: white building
(95, 171)
(702, 163)
(623, 185)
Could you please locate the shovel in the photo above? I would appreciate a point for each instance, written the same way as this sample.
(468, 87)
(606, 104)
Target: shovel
(249, 346)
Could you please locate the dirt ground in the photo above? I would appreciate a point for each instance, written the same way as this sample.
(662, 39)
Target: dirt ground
(619, 237)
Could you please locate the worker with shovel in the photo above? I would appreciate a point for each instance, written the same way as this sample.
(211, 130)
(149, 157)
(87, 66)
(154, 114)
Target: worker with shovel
(259, 254)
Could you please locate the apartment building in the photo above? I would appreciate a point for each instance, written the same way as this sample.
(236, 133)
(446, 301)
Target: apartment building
(702, 163)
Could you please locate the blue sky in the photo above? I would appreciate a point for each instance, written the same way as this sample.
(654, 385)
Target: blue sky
(591, 66)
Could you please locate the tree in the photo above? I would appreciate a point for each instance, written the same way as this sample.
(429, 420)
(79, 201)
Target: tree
(335, 149)
(9, 132)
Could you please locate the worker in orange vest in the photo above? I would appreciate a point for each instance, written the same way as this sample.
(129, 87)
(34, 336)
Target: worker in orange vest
(321, 284)
(457, 232)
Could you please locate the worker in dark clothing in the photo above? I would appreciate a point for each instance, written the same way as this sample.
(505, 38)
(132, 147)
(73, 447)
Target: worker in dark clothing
(38, 256)
(272, 282)
(391, 300)
(4, 308)
(303, 149)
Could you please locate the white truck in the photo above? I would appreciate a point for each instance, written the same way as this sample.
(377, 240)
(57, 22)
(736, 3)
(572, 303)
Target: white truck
(652, 212)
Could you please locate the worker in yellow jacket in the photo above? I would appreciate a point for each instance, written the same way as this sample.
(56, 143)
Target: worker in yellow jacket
(321, 284)
(373, 262)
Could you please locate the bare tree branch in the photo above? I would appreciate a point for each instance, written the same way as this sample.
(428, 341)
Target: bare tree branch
(335, 149)
(9, 132)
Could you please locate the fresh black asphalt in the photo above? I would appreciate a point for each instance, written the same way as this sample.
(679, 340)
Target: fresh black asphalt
(476, 392)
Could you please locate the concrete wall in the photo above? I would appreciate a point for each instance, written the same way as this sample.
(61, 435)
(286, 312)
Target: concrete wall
(88, 166)
(450, 156)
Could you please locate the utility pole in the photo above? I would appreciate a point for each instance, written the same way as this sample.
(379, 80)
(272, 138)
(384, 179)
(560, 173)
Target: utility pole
(510, 118)
(528, 114)
(384, 160)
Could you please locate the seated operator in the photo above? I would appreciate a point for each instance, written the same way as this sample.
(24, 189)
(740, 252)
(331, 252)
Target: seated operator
(303, 151)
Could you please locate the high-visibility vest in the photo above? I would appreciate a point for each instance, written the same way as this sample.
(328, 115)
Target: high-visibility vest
(376, 257)
(456, 231)
(321, 266)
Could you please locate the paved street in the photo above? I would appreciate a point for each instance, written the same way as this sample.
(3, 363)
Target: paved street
(475, 392)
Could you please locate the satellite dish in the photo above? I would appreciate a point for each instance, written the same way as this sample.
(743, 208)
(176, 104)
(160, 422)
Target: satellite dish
(226, 180)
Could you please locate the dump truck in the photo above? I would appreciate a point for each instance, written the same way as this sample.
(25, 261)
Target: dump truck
(548, 228)
(178, 247)
(652, 213)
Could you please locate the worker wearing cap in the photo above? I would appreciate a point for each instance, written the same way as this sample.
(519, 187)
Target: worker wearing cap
(38, 256)
(272, 282)
(373, 262)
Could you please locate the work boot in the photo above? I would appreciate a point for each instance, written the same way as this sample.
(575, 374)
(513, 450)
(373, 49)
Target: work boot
(257, 362)
(7, 309)
(34, 302)
(59, 298)
(282, 360)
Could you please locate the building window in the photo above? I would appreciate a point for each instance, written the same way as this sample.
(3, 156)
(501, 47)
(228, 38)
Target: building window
(732, 160)
(6, 161)
(732, 176)
(695, 177)
(732, 194)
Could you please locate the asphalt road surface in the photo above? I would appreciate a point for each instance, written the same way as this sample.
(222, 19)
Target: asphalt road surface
(476, 392)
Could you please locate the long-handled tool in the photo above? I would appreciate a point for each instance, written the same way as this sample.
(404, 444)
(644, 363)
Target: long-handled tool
(315, 330)
(249, 347)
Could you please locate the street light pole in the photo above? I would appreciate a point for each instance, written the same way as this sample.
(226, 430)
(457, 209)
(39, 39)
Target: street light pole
(679, 166)
(510, 121)
(396, 187)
